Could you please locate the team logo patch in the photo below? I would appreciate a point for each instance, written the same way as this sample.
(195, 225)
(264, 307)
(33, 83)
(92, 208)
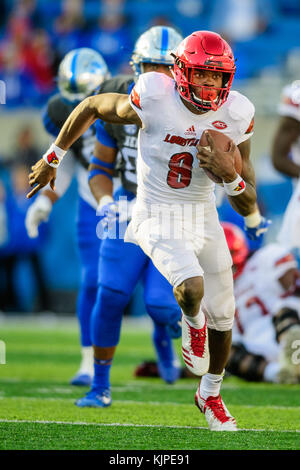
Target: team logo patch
(240, 187)
(219, 125)
(190, 131)
(135, 98)
(52, 158)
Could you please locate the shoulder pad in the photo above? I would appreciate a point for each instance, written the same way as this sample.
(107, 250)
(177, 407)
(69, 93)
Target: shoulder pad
(58, 110)
(290, 95)
(240, 107)
(118, 84)
(154, 84)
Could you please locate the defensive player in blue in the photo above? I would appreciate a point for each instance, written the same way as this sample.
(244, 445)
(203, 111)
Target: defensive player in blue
(122, 265)
(81, 73)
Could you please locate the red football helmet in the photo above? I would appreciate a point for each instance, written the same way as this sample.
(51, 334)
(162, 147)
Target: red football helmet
(209, 51)
(237, 245)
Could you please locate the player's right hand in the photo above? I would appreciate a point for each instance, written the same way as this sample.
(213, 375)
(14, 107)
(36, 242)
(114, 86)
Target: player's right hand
(257, 233)
(41, 175)
(37, 213)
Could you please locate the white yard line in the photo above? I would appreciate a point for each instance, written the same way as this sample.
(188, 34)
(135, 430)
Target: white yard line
(82, 423)
(143, 403)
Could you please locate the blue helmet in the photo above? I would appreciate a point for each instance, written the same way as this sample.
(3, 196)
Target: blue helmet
(81, 73)
(155, 46)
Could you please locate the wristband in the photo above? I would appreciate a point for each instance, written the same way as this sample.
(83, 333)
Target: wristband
(236, 187)
(253, 220)
(106, 199)
(54, 155)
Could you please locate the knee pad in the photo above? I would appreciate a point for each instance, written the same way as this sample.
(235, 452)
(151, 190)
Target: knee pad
(284, 319)
(107, 316)
(238, 354)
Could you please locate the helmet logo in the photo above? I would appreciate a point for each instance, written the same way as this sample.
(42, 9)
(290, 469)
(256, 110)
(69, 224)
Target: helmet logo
(219, 124)
(214, 63)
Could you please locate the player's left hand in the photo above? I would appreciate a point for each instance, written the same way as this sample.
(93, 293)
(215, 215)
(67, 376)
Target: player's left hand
(257, 233)
(217, 161)
(41, 175)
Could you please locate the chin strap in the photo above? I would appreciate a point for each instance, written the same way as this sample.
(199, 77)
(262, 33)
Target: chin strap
(214, 107)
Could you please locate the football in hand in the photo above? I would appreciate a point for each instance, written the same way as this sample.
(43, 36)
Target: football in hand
(222, 141)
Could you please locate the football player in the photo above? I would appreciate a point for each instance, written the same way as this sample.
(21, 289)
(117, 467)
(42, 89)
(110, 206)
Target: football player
(267, 321)
(80, 74)
(266, 331)
(122, 265)
(286, 159)
(174, 219)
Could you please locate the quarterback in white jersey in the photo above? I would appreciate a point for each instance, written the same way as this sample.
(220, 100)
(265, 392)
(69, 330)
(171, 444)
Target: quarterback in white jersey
(267, 318)
(189, 248)
(286, 159)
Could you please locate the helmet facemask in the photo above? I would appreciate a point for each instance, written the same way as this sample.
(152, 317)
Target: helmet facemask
(210, 97)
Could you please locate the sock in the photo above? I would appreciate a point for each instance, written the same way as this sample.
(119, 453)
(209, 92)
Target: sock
(85, 304)
(101, 380)
(197, 321)
(210, 385)
(270, 372)
(87, 360)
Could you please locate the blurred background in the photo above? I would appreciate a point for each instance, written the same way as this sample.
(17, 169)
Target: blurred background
(43, 274)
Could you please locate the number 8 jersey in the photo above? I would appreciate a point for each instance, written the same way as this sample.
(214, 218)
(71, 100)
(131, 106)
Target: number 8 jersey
(167, 167)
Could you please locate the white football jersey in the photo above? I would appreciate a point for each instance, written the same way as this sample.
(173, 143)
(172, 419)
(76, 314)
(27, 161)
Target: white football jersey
(258, 291)
(259, 295)
(289, 233)
(290, 106)
(167, 168)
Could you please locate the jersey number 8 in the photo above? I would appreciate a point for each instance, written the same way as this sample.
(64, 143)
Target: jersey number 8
(180, 173)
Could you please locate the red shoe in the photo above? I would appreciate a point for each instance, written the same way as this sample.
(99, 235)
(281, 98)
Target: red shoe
(194, 349)
(216, 413)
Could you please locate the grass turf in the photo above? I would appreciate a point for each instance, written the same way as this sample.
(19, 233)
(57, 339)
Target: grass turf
(37, 408)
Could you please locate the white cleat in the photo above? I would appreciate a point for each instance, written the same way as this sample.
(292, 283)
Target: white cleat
(216, 413)
(194, 348)
(289, 372)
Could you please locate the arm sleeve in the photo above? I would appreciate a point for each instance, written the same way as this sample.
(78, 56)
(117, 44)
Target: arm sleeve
(49, 125)
(102, 135)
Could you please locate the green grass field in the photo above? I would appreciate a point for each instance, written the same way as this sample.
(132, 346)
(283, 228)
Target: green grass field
(37, 408)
